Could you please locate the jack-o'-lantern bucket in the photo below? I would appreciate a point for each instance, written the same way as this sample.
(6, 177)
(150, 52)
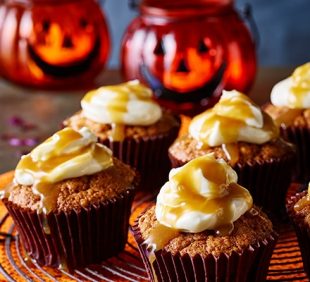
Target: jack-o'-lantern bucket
(187, 51)
(52, 43)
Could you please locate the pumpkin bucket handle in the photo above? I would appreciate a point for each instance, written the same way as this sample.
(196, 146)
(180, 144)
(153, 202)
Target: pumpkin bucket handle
(246, 14)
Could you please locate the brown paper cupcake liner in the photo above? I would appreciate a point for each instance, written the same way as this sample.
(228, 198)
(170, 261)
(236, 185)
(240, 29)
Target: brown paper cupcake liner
(148, 155)
(267, 182)
(77, 238)
(302, 230)
(300, 136)
(250, 265)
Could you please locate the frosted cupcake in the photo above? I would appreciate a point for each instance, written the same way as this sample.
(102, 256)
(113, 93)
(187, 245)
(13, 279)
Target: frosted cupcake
(205, 228)
(126, 119)
(70, 200)
(290, 108)
(236, 130)
(298, 207)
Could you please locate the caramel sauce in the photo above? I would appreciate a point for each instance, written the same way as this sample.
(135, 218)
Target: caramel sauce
(229, 116)
(49, 156)
(286, 116)
(116, 105)
(231, 152)
(159, 236)
(221, 194)
(225, 230)
(228, 127)
(199, 203)
(45, 225)
(239, 107)
(117, 132)
(301, 85)
(303, 202)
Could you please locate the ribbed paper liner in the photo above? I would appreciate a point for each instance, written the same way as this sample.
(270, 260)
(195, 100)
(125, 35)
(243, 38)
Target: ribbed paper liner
(148, 155)
(267, 182)
(300, 137)
(302, 230)
(250, 265)
(76, 238)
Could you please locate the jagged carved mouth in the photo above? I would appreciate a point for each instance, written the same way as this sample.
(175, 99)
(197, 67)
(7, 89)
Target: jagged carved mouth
(194, 96)
(73, 69)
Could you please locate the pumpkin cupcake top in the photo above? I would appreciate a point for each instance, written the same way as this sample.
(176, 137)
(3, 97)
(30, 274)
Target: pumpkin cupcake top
(302, 206)
(203, 194)
(290, 99)
(69, 162)
(128, 103)
(202, 210)
(234, 118)
(122, 111)
(294, 91)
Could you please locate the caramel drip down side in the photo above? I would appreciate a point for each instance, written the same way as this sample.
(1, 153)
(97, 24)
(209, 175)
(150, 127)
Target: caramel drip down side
(303, 202)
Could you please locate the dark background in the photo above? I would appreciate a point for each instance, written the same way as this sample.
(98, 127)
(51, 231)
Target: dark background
(284, 28)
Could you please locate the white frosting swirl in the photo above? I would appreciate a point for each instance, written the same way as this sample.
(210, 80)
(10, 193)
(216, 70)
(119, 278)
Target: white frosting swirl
(234, 118)
(67, 154)
(127, 103)
(202, 195)
(294, 91)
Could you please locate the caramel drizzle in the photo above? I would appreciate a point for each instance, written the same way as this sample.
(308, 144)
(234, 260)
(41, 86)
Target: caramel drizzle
(117, 106)
(231, 152)
(42, 167)
(229, 116)
(301, 85)
(303, 202)
(159, 236)
(117, 132)
(286, 116)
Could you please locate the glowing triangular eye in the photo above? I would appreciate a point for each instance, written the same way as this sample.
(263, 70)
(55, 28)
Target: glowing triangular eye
(159, 48)
(83, 23)
(46, 25)
(202, 47)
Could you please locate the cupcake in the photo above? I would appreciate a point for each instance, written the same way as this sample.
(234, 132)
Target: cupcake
(290, 108)
(70, 200)
(126, 119)
(236, 130)
(298, 207)
(205, 228)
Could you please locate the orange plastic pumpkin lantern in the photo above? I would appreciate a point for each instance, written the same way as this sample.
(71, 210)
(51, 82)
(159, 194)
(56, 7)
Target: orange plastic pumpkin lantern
(52, 42)
(188, 51)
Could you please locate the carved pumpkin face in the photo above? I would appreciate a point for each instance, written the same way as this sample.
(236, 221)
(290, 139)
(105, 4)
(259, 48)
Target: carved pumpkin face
(188, 62)
(182, 62)
(62, 41)
(55, 42)
(63, 45)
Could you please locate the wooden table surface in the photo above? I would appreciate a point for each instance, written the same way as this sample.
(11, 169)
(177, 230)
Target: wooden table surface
(44, 110)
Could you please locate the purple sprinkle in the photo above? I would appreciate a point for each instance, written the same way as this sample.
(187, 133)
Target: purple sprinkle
(31, 142)
(15, 142)
(16, 121)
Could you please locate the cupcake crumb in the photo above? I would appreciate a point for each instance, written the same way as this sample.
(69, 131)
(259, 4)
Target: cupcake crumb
(249, 229)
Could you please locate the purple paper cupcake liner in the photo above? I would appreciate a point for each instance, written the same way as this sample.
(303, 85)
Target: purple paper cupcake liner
(268, 182)
(302, 230)
(76, 238)
(300, 137)
(250, 265)
(148, 155)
